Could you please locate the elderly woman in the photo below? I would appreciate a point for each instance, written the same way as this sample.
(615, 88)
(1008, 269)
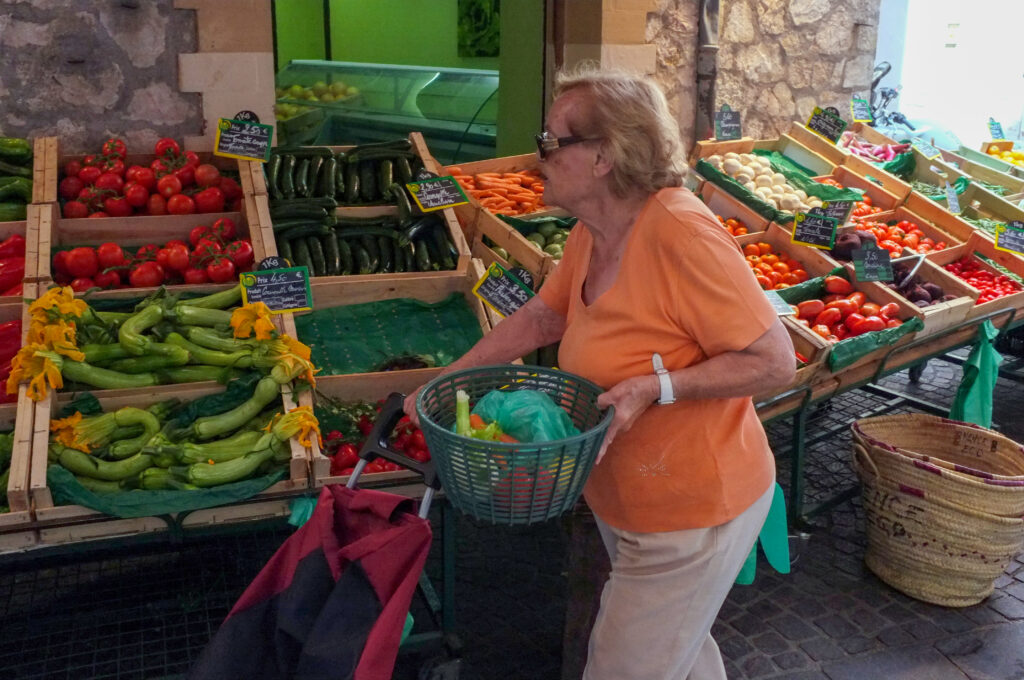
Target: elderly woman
(654, 302)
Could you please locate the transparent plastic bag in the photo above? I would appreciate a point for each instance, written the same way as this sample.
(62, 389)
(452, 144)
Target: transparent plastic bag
(527, 415)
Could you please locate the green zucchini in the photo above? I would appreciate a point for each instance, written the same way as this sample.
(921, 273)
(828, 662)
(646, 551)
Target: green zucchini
(387, 254)
(304, 231)
(352, 184)
(385, 174)
(367, 182)
(327, 178)
(359, 232)
(273, 169)
(369, 244)
(380, 220)
(401, 144)
(401, 199)
(292, 211)
(284, 225)
(362, 259)
(422, 257)
(409, 257)
(284, 249)
(302, 256)
(316, 256)
(404, 169)
(302, 177)
(288, 176)
(316, 164)
(442, 245)
(332, 253)
(339, 179)
(299, 151)
(345, 251)
(328, 204)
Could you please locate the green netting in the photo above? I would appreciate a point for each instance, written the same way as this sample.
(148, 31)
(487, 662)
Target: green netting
(799, 177)
(359, 338)
(138, 503)
(846, 352)
(528, 226)
(741, 194)
(902, 166)
(938, 194)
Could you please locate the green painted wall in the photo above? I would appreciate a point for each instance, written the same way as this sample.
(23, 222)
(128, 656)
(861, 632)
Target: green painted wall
(521, 88)
(299, 25)
(415, 32)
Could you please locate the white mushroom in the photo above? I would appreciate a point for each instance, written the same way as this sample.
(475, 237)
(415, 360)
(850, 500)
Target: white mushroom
(731, 166)
(744, 176)
(746, 158)
(750, 186)
(778, 178)
(789, 202)
(715, 160)
(801, 194)
(763, 181)
(731, 154)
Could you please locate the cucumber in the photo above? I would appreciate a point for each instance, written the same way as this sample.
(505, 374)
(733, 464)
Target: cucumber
(381, 220)
(311, 212)
(401, 199)
(367, 182)
(302, 256)
(304, 230)
(362, 260)
(332, 253)
(404, 169)
(302, 177)
(298, 151)
(287, 178)
(284, 225)
(359, 232)
(273, 169)
(345, 251)
(385, 173)
(369, 244)
(316, 164)
(352, 184)
(387, 254)
(327, 178)
(284, 249)
(316, 256)
(422, 257)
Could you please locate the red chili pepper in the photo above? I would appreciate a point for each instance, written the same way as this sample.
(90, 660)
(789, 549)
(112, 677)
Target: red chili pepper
(801, 358)
(14, 246)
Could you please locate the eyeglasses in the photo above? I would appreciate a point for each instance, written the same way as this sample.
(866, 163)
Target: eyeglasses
(546, 143)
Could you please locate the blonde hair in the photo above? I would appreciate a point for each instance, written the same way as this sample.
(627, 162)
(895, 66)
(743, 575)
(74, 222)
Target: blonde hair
(630, 114)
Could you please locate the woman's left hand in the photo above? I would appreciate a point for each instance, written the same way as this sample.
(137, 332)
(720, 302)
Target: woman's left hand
(631, 398)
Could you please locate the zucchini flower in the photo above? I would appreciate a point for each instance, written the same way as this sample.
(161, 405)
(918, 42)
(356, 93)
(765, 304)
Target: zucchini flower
(289, 358)
(58, 336)
(57, 303)
(63, 430)
(253, 318)
(300, 423)
(39, 366)
(94, 432)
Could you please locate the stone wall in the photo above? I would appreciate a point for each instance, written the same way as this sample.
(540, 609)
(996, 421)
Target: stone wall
(778, 59)
(85, 70)
(672, 28)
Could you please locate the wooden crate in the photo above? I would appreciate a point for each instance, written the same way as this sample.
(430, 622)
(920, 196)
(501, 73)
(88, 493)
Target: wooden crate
(932, 219)
(983, 173)
(979, 244)
(977, 202)
(941, 315)
(45, 169)
(810, 345)
(816, 143)
(786, 145)
(251, 178)
(815, 261)
(720, 202)
(131, 232)
(889, 182)
(879, 196)
(993, 162)
(72, 523)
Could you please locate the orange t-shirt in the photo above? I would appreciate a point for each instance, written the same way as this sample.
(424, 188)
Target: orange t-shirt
(683, 290)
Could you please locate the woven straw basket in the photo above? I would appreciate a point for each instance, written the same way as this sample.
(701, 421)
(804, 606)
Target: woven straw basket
(939, 529)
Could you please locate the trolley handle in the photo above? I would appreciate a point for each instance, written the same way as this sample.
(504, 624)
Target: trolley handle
(376, 445)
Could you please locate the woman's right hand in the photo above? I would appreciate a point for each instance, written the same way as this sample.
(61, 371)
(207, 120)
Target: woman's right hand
(409, 406)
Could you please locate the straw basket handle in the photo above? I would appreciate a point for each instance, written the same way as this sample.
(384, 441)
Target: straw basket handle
(861, 456)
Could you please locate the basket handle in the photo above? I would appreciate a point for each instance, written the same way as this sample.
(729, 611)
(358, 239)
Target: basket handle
(862, 456)
(376, 444)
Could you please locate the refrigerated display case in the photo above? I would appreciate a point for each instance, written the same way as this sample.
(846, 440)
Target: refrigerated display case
(341, 103)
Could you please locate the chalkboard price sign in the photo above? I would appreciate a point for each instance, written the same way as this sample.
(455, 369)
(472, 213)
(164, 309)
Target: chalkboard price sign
(241, 139)
(815, 230)
(860, 110)
(1010, 237)
(273, 262)
(727, 124)
(501, 290)
(995, 128)
(872, 263)
(837, 210)
(282, 290)
(924, 147)
(437, 193)
(952, 200)
(826, 123)
(782, 308)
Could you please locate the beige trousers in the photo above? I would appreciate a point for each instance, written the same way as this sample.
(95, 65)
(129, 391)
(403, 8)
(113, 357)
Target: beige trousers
(663, 594)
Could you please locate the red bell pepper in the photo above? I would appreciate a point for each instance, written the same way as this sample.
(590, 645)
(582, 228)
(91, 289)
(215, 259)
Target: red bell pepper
(12, 271)
(17, 290)
(10, 340)
(14, 246)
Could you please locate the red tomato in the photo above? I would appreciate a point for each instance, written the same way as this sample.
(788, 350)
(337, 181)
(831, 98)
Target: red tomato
(869, 324)
(224, 229)
(853, 320)
(146, 275)
(114, 166)
(207, 175)
(99, 213)
(838, 285)
(91, 197)
(821, 330)
(159, 168)
(230, 188)
(186, 174)
(176, 241)
(60, 262)
(146, 177)
(180, 204)
(196, 275)
(889, 311)
(197, 234)
(869, 309)
(81, 285)
(117, 206)
(165, 145)
(110, 182)
(210, 200)
(156, 205)
(808, 309)
(893, 323)
(75, 210)
(829, 317)
(136, 194)
(107, 280)
(192, 158)
(221, 270)
(857, 297)
(241, 254)
(82, 262)
(841, 332)
(845, 307)
(72, 168)
(91, 159)
(70, 187)
(177, 257)
(168, 186)
(147, 252)
(90, 174)
(109, 255)
(831, 298)
(114, 147)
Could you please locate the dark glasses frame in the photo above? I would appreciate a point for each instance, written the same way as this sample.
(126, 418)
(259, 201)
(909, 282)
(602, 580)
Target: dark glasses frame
(546, 143)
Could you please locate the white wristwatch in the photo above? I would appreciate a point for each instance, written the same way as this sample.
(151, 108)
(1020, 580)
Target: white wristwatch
(667, 395)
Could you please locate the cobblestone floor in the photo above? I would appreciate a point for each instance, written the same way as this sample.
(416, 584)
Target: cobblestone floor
(146, 613)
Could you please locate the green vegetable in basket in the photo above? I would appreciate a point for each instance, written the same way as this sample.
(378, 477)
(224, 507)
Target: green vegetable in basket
(472, 425)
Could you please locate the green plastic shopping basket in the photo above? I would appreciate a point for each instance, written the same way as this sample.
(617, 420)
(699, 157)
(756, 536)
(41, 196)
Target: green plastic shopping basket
(519, 483)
